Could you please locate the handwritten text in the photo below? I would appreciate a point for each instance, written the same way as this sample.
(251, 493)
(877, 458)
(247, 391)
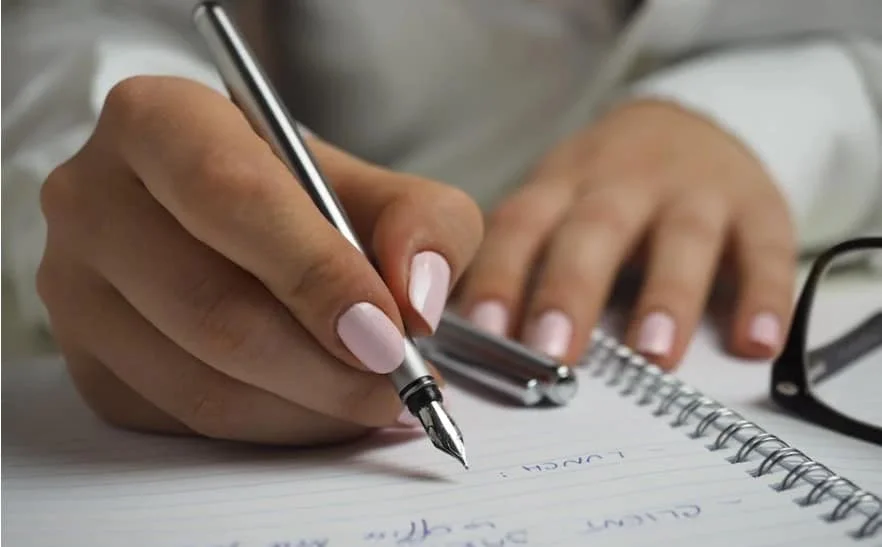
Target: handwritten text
(635, 520)
(572, 461)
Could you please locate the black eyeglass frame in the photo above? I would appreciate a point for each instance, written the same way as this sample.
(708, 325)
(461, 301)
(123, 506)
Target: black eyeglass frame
(790, 385)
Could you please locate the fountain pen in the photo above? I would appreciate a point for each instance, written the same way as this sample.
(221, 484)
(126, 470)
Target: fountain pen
(254, 94)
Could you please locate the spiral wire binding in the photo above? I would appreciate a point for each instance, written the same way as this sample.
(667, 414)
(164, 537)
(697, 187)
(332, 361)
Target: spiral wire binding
(635, 376)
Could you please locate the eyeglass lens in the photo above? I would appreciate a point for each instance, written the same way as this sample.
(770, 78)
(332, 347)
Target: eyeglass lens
(843, 356)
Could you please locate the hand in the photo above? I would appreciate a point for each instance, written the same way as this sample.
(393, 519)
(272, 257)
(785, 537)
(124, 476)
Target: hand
(193, 287)
(647, 180)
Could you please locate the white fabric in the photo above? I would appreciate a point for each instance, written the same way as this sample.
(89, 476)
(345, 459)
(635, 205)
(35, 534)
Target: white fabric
(472, 93)
(821, 144)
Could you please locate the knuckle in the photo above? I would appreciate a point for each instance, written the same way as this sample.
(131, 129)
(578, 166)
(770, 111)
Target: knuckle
(609, 214)
(510, 213)
(769, 282)
(227, 322)
(464, 215)
(776, 251)
(58, 196)
(520, 215)
(768, 267)
(444, 214)
(672, 293)
(60, 283)
(223, 181)
(459, 202)
(220, 168)
(126, 104)
(703, 225)
(317, 273)
(74, 210)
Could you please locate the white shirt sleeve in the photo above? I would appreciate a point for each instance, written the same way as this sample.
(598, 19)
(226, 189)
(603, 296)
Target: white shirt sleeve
(60, 61)
(807, 111)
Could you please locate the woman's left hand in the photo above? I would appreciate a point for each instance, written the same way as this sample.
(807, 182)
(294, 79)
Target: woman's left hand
(648, 176)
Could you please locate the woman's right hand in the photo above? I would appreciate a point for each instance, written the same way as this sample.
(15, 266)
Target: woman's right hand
(193, 287)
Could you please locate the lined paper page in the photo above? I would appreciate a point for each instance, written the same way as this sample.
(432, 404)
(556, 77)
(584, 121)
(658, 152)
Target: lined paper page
(603, 472)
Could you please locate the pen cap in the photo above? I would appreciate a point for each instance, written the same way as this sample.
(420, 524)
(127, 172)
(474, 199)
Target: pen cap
(519, 389)
(467, 343)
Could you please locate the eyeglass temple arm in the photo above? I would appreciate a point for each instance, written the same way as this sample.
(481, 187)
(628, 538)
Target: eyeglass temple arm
(845, 350)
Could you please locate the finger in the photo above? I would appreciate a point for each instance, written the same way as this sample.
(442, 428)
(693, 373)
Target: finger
(765, 254)
(491, 295)
(197, 155)
(684, 252)
(114, 401)
(213, 310)
(422, 233)
(584, 255)
(201, 398)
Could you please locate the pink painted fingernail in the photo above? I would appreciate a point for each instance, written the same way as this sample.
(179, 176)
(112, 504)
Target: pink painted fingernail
(490, 316)
(656, 334)
(551, 334)
(429, 284)
(371, 337)
(765, 330)
(407, 419)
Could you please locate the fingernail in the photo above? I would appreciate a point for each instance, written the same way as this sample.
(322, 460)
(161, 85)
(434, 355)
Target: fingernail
(551, 334)
(656, 334)
(371, 337)
(765, 330)
(407, 419)
(490, 316)
(429, 284)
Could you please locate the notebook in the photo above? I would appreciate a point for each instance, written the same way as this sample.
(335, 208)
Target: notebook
(638, 458)
(744, 387)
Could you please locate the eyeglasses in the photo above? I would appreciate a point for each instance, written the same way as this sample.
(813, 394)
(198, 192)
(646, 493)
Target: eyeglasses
(830, 370)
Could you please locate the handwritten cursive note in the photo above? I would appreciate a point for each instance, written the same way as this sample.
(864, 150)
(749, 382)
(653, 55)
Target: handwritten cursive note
(572, 462)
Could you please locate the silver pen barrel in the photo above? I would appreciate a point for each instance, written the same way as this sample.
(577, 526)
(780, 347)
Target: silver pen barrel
(252, 91)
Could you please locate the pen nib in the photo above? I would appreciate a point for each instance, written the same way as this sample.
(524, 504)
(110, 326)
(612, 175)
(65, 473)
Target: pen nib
(443, 432)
